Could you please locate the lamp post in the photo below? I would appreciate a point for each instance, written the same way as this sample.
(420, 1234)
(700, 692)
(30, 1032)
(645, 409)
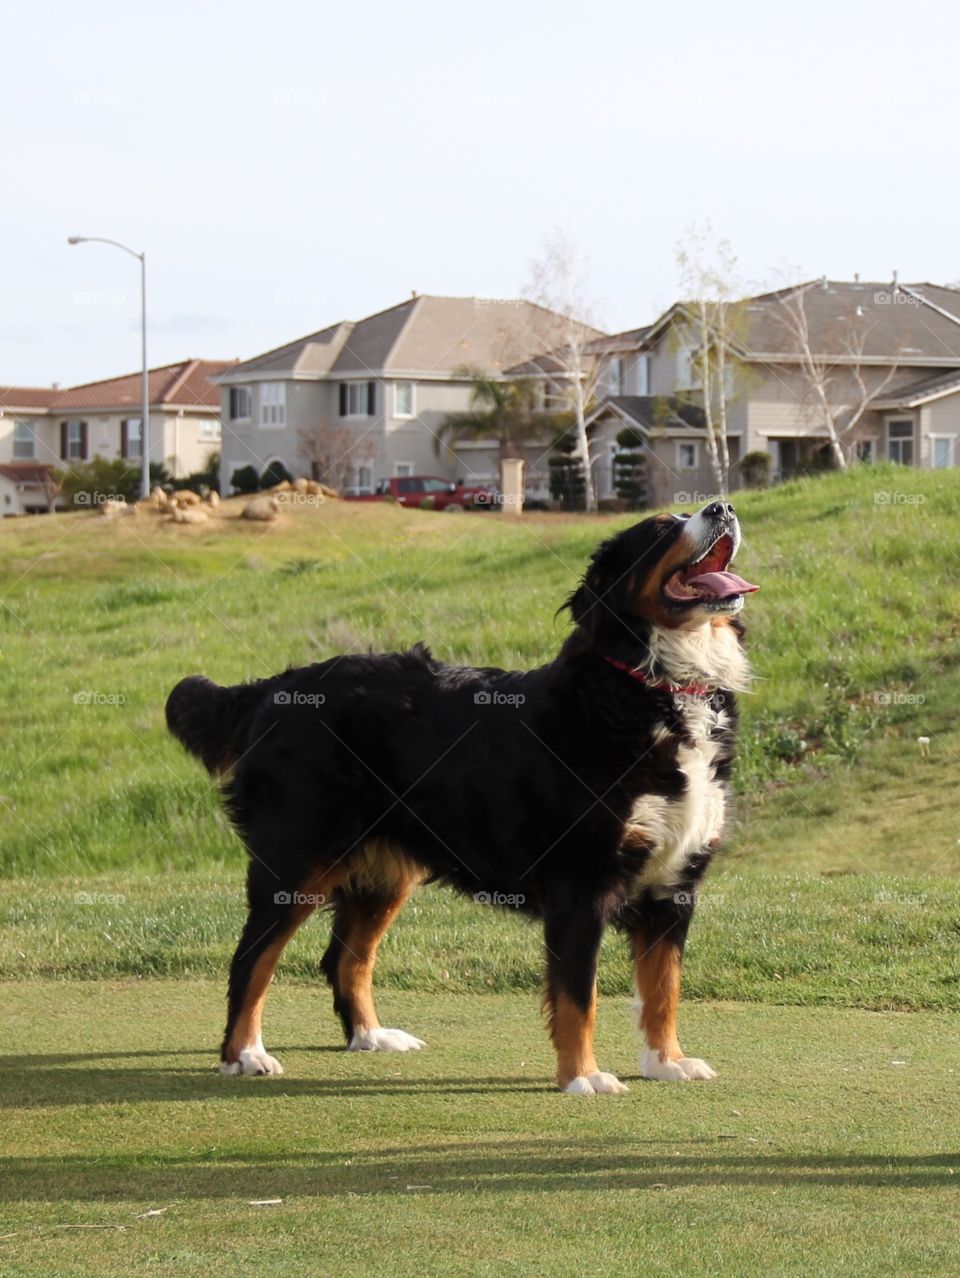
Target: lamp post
(145, 387)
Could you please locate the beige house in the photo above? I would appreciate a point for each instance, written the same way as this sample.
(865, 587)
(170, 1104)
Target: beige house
(892, 350)
(42, 430)
(359, 402)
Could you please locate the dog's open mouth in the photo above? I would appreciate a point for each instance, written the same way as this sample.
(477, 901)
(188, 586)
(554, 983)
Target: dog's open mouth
(707, 580)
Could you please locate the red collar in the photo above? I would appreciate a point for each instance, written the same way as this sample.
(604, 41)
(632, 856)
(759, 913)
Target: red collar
(686, 690)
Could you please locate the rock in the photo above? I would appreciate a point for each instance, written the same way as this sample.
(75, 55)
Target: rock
(264, 509)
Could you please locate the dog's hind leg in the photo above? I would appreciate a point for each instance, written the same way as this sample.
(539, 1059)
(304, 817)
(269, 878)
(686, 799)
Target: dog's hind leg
(658, 939)
(274, 914)
(362, 916)
(572, 938)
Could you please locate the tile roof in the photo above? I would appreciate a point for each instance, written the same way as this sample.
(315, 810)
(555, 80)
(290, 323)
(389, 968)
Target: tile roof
(186, 383)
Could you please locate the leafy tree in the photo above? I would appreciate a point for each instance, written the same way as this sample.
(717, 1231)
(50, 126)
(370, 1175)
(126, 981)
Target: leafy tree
(502, 411)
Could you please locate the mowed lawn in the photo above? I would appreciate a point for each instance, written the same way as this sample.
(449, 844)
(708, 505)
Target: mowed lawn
(823, 978)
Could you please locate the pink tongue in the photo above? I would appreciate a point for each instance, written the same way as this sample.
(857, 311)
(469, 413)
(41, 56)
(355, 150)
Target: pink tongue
(721, 584)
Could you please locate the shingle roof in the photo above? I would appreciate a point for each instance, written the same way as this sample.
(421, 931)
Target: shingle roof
(653, 411)
(909, 323)
(920, 391)
(423, 335)
(186, 383)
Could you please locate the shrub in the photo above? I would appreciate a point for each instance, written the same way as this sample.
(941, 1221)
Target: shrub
(245, 480)
(630, 470)
(755, 469)
(275, 473)
(91, 483)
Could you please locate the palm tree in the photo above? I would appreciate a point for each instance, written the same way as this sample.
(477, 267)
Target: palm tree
(503, 412)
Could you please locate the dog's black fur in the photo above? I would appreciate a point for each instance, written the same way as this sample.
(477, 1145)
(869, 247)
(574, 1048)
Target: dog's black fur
(505, 784)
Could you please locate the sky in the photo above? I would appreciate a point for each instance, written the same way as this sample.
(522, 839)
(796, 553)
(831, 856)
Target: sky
(291, 164)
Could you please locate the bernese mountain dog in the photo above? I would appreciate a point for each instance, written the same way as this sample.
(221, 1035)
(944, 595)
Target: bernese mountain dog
(589, 791)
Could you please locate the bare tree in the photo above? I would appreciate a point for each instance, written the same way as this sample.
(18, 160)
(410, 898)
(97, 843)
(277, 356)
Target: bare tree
(333, 452)
(707, 267)
(565, 325)
(836, 401)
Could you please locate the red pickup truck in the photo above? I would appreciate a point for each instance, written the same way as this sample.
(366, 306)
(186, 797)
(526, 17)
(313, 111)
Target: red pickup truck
(431, 491)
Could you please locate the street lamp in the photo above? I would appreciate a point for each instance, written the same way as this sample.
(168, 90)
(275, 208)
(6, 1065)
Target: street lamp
(145, 388)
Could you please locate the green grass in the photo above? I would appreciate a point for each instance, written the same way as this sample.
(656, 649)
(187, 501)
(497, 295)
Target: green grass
(826, 946)
(828, 1142)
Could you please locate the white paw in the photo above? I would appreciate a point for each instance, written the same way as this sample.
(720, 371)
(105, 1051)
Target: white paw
(253, 1060)
(680, 1071)
(384, 1040)
(596, 1084)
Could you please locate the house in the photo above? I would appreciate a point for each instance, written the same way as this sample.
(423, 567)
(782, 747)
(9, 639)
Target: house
(42, 430)
(363, 401)
(890, 352)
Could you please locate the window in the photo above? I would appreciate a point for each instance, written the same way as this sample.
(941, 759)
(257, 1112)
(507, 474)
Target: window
(131, 437)
(641, 375)
(900, 441)
(24, 441)
(688, 375)
(941, 451)
(688, 456)
(402, 468)
(273, 404)
(614, 375)
(210, 428)
(73, 441)
(403, 399)
(358, 399)
(239, 403)
(365, 479)
(435, 486)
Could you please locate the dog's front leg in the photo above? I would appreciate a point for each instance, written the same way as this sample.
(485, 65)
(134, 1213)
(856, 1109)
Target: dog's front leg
(572, 936)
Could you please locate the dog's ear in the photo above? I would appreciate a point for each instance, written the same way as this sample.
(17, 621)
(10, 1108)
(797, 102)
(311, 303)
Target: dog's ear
(602, 590)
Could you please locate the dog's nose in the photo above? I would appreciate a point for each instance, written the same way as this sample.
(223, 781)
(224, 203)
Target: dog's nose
(720, 510)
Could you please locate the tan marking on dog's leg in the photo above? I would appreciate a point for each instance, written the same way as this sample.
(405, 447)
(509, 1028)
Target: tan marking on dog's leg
(657, 973)
(571, 1029)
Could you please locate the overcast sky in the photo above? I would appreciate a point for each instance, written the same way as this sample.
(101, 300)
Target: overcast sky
(286, 165)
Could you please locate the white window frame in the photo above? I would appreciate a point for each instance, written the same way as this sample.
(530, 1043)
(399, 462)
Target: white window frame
(902, 439)
(396, 400)
(950, 441)
(240, 390)
(403, 470)
(24, 424)
(688, 443)
(134, 454)
(641, 379)
(364, 482)
(273, 405)
(614, 375)
(211, 428)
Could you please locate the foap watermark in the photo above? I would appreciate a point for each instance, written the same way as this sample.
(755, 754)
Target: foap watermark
(895, 298)
(295, 297)
(895, 498)
(91, 697)
(99, 898)
(97, 99)
(489, 498)
(699, 899)
(314, 699)
(684, 498)
(98, 499)
(894, 698)
(92, 297)
(498, 698)
(512, 900)
(915, 899)
(301, 499)
(299, 898)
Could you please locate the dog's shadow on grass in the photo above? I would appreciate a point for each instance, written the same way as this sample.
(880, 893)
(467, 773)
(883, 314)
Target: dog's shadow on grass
(511, 1166)
(47, 1081)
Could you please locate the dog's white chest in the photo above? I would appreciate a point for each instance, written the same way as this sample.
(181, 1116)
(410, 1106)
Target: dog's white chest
(679, 827)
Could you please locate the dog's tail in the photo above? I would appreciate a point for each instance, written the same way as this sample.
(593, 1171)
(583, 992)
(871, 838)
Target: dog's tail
(209, 719)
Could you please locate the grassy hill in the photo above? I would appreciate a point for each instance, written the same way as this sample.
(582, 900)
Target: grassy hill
(855, 637)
